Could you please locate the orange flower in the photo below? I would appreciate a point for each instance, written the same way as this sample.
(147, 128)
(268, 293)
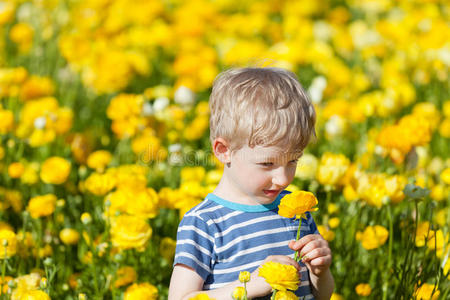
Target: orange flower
(297, 204)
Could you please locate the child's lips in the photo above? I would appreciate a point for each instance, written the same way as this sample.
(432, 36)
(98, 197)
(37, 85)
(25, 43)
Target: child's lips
(271, 192)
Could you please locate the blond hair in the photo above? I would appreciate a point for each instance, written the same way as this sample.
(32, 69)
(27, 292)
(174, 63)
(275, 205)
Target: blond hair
(261, 106)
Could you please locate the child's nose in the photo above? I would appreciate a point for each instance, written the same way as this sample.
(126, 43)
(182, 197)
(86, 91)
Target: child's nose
(281, 177)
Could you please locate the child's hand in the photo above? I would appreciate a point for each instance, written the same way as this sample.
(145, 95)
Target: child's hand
(315, 252)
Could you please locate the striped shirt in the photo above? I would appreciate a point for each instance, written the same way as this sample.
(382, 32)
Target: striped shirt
(219, 239)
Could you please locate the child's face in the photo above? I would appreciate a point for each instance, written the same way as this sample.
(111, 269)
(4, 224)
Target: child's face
(257, 175)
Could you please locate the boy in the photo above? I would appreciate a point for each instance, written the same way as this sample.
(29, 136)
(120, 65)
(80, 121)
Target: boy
(261, 120)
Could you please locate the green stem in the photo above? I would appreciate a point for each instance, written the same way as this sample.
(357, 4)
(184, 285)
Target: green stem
(296, 258)
(273, 295)
(391, 240)
(3, 272)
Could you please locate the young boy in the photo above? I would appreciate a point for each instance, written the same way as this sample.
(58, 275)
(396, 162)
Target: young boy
(261, 120)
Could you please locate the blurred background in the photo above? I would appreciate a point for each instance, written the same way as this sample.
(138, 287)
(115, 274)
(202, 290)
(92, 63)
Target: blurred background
(105, 144)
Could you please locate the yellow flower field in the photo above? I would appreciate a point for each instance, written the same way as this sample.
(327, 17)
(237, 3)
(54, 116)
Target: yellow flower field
(105, 145)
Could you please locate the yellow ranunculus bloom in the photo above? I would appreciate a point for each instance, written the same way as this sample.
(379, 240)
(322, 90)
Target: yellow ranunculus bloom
(238, 293)
(26, 283)
(285, 295)
(297, 204)
(16, 169)
(326, 233)
(332, 168)
(424, 292)
(100, 184)
(167, 248)
(373, 237)
(363, 289)
(144, 291)
(244, 276)
(445, 176)
(335, 296)
(124, 276)
(22, 35)
(201, 296)
(42, 206)
(55, 170)
(280, 277)
(34, 295)
(6, 121)
(99, 159)
(8, 243)
(69, 236)
(130, 232)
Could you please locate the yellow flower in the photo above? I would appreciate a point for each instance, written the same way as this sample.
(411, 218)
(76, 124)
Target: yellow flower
(239, 293)
(98, 160)
(69, 236)
(125, 275)
(333, 222)
(280, 277)
(34, 295)
(307, 167)
(22, 35)
(16, 169)
(55, 170)
(425, 292)
(285, 295)
(326, 233)
(42, 206)
(8, 243)
(201, 296)
(335, 296)
(100, 184)
(332, 168)
(373, 237)
(445, 176)
(141, 202)
(167, 248)
(26, 283)
(36, 87)
(144, 291)
(244, 276)
(129, 232)
(297, 204)
(363, 289)
(6, 121)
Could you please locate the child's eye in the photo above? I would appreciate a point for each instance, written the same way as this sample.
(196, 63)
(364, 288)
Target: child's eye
(294, 161)
(266, 164)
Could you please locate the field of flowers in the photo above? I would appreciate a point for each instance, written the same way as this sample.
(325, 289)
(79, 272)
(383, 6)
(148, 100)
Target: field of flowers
(105, 142)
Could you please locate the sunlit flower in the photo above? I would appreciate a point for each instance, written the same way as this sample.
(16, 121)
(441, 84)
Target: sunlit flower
(244, 276)
(100, 184)
(16, 169)
(427, 292)
(239, 293)
(42, 206)
(55, 170)
(285, 295)
(130, 232)
(69, 236)
(326, 233)
(124, 276)
(363, 289)
(373, 237)
(8, 243)
(296, 204)
(167, 248)
(144, 291)
(332, 168)
(280, 277)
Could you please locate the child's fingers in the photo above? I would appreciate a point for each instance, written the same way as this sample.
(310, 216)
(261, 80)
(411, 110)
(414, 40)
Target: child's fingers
(311, 246)
(316, 253)
(297, 245)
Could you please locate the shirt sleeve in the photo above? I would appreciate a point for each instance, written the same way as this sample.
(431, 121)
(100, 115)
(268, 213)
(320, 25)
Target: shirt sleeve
(195, 245)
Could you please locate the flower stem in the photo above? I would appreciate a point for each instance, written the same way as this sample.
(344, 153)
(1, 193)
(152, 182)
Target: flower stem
(391, 240)
(273, 294)
(296, 258)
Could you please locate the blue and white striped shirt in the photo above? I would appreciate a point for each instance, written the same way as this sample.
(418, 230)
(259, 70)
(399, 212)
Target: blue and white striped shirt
(219, 239)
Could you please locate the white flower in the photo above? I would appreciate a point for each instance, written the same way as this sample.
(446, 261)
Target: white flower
(39, 123)
(316, 89)
(147, 109)
(335, 126)
(160, 104)
(184, 96)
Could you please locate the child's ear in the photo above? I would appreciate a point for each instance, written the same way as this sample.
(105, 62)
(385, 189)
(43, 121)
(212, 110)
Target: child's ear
(222, 150)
